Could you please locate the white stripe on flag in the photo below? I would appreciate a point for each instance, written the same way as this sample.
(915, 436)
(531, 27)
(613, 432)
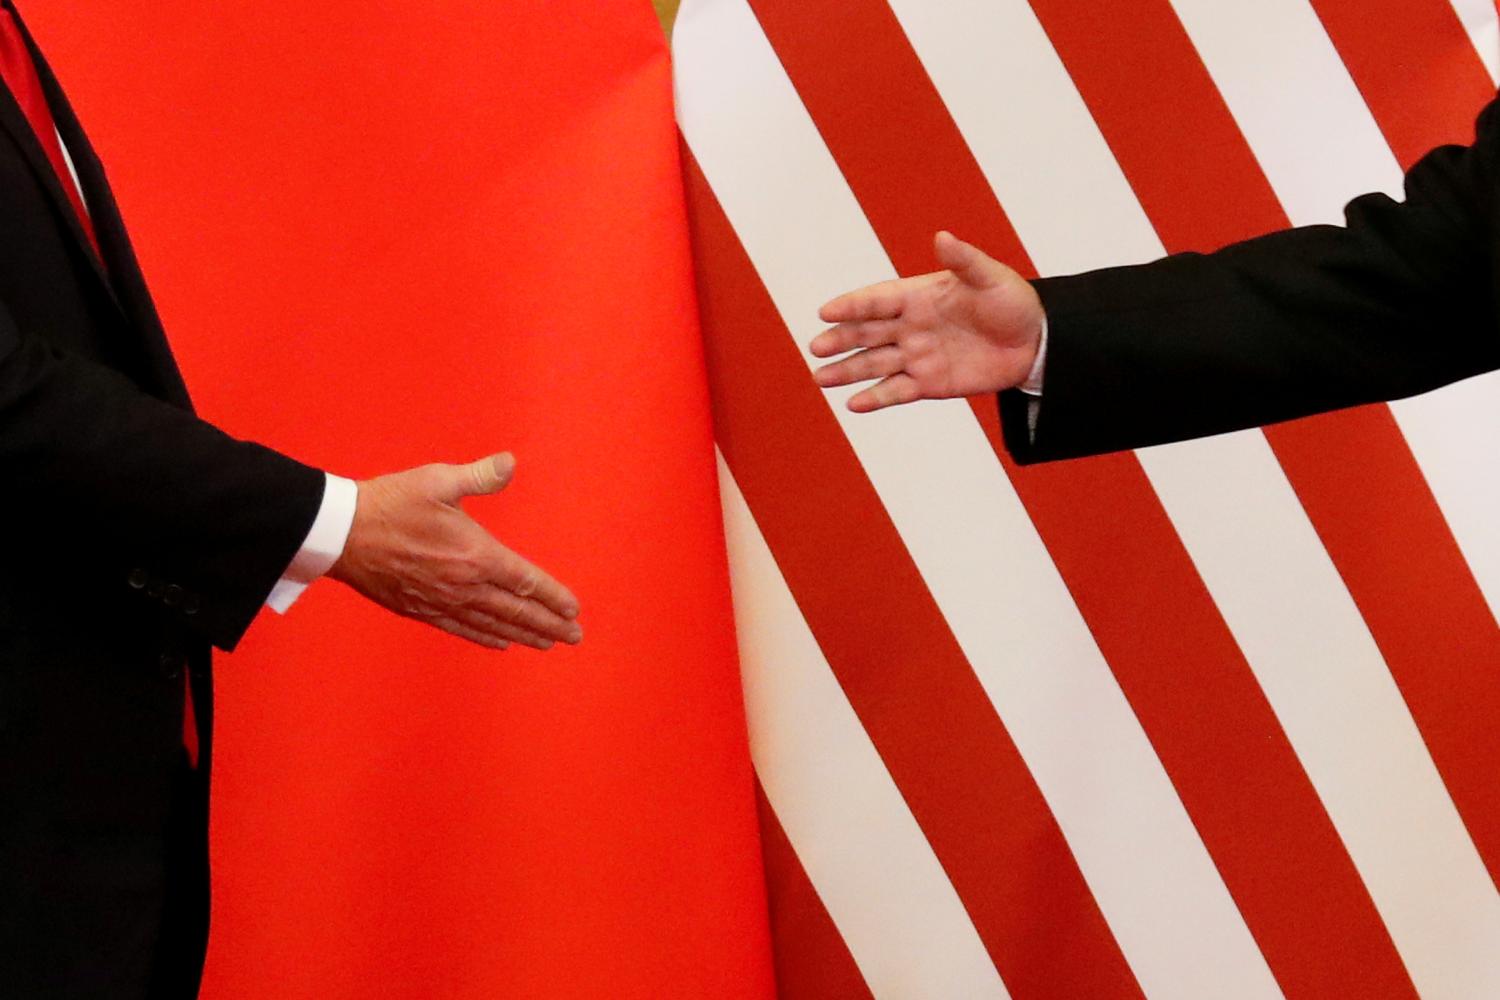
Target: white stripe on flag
(1311, 130)
(1268, 570)
(863, 851)
(969, 535)
(1483, 25)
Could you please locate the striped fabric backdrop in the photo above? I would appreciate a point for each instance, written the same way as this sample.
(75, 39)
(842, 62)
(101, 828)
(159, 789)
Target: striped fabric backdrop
(1215, 720)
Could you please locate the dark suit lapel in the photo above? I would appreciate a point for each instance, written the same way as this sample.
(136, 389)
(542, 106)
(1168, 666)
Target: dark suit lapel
(121, 277)
(15, 123)
(24, 137)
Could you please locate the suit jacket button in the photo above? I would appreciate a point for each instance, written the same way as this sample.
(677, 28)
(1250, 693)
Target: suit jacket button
(191, 605)
(138, 579)
(171, 666)
(154, 588)
(172, 596)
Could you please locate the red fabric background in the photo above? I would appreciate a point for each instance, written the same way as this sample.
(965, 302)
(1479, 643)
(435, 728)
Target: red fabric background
(388, 233)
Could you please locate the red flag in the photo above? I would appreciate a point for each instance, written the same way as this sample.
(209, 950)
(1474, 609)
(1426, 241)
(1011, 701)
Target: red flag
(386, 234)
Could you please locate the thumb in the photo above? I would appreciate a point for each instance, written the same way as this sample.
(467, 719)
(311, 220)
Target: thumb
(973, 266)
(482, 478)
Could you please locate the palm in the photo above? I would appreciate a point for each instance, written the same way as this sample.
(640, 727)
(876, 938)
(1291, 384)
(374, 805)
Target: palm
(962, 341)
(971, 329)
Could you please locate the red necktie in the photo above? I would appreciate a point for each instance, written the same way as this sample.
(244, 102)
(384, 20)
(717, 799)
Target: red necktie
(19, 74)
(18, 71)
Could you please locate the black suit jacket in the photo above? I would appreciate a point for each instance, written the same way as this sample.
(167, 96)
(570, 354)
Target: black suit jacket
(132, 537)
(1399, 301)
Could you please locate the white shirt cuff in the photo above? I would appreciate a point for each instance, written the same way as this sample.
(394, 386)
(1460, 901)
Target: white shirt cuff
(1033, 384)
(324, 543)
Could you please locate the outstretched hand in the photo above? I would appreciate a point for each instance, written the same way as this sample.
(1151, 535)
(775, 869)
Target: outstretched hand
(414, 551)
(972, 328)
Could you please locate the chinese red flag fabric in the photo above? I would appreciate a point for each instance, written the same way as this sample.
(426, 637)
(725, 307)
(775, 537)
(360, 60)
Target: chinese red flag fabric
(1217, 720)
(384, 234)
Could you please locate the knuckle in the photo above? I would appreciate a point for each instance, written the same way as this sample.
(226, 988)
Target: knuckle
(527, 584)
(412, 602)
(468, 564)
(445, 591)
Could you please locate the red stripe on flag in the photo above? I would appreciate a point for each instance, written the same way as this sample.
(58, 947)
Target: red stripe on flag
(1145, 604)
(888, 643)
(1388, 44)
(812, 960)
(1372, 508)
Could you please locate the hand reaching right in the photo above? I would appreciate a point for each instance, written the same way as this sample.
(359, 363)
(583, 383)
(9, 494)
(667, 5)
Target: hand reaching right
(970, 329)
(414, 551)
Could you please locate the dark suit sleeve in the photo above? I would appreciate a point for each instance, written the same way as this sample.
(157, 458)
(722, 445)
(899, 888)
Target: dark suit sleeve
(179, 503)
(1398, 301)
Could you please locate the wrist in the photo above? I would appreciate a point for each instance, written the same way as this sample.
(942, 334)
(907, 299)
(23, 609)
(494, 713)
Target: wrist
(343, 567)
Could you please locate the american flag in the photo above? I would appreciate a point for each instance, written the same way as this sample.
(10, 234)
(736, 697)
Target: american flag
(1214, 720)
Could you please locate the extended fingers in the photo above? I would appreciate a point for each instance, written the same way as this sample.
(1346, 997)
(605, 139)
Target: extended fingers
(512, 573)
(509, 632)
(478, 636)
(528, 614)
(879, 301)
(876, 363)
(521, 596)
(499, 619)
(893, 391)
(848, 336)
